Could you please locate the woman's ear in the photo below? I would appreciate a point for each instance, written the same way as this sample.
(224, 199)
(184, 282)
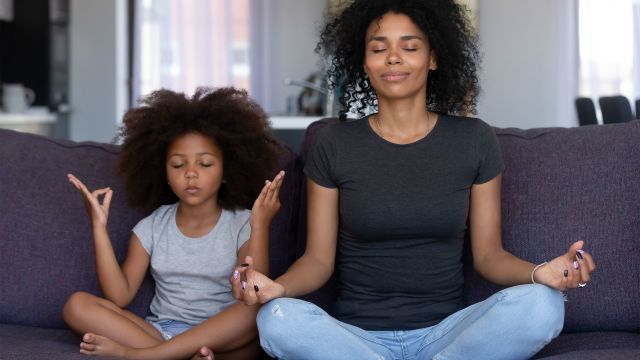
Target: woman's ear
(433, 61)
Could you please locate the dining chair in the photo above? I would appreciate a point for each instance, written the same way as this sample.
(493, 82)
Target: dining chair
(615, 109)
(586, 111)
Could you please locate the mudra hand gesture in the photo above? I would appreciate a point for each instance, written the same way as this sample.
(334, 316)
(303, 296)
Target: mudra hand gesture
(257, 288)
(98, 212)
(571, 270)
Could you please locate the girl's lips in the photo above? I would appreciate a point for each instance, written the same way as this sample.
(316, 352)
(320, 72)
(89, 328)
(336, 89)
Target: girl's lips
(192, 190)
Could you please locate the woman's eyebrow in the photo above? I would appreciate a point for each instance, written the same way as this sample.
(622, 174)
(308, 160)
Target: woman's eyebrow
(403, 38)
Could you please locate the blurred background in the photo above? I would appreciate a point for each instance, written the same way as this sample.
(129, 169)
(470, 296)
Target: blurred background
(70, 68)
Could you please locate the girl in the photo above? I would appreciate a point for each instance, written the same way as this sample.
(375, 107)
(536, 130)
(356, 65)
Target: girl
(390, 197)
(199, 162)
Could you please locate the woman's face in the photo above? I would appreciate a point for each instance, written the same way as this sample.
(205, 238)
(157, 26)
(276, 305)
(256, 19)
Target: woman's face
(397, 57)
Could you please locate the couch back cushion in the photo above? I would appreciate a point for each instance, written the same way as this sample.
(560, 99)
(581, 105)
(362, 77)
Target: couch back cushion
(46, 247)
(566, 184)
(562, 185)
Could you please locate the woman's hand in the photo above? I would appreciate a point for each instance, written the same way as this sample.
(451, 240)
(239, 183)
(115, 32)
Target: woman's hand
(267, 204)
(571, 270)
(98, 212)
(252, 287)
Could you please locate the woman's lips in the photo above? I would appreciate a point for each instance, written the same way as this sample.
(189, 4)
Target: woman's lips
(395, 76)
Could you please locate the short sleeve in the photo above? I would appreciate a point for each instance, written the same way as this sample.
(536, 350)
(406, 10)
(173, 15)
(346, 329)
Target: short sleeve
(322, 160)
(244, 232)
(490, 162)
(144, 231)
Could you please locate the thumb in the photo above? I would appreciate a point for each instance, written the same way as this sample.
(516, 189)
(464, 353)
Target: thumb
(571, 254)
(249, 260)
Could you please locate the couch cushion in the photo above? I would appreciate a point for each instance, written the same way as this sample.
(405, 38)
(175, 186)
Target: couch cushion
(46, 245)
(593, 345)
(26, 342)
(561, 185)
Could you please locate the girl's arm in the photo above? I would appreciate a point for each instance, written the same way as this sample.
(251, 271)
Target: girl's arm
(314, 267)
(264, 209)
(117, 284)
(501, 267)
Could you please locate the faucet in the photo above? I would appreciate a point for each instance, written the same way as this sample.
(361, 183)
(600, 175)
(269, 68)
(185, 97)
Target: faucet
(327, 92)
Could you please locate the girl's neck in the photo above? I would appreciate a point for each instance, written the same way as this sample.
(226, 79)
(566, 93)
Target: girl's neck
(196, 221)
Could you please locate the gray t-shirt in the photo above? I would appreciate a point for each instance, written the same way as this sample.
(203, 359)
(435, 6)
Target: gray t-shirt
(402, 217)
(191, 274)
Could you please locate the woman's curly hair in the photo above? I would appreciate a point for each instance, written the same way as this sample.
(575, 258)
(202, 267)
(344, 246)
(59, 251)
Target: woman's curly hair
(453, 87)
(236, 124)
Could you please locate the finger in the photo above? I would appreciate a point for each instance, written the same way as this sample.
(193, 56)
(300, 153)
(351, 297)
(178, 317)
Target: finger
(588, 260)
(277, 182)
(107, 199)
(571, 254)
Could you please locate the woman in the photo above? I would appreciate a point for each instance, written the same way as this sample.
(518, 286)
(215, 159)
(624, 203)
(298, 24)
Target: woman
(389, 199)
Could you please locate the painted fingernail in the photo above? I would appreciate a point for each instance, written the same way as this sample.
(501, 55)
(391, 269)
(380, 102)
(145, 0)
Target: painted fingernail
(244, 285)
(579, 254)
(256, 288)
(576, 265)
(566, 273)
(236, 274)
(244, 265)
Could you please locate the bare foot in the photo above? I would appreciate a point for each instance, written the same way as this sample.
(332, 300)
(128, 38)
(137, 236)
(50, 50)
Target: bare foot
(203, 354)
(97, 345)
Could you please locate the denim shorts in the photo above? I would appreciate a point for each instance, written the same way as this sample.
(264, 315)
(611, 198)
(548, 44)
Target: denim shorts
(170, 328)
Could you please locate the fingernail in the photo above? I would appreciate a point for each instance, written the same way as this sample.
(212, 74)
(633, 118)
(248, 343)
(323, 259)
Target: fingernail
(579, 254)
(244, 265)
(576, 265)
(256, 288)
(566, 273)
(236, 274)
(244, 285)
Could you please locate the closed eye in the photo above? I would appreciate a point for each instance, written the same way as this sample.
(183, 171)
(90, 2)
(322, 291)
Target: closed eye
(375, 51)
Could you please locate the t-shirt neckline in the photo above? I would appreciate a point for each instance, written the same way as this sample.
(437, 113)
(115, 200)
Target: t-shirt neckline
(421, 140)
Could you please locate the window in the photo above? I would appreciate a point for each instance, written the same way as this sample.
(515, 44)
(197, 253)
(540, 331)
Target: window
(181, 45)
(609, 50)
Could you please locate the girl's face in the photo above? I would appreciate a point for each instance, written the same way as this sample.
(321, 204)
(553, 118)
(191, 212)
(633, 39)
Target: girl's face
(397, 57)
(194, 169)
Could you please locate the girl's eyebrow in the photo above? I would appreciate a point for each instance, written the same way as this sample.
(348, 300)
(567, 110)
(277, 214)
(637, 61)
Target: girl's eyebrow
(403, 38)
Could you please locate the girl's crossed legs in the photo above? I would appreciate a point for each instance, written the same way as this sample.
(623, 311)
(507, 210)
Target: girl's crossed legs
(111, 331)
(514, 323)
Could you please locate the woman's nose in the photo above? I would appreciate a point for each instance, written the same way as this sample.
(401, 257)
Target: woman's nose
(393, 58)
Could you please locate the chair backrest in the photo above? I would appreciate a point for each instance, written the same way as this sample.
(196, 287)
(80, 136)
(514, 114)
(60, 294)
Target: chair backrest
(586, 111)
(615, 109)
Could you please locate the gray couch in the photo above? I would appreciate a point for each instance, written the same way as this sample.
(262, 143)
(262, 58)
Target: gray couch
(559, 185)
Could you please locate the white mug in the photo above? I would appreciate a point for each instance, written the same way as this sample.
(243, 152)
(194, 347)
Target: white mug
(16, 98)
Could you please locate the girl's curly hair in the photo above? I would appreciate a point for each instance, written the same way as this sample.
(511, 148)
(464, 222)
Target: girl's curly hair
(453, 87)
(237, 125)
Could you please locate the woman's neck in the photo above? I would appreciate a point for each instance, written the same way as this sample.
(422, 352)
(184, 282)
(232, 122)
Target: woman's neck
(402, 121)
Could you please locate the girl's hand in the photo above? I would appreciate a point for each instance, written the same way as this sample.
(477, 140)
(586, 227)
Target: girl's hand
(99, 213)
(257, 288)
(267, 204)
(571, 270)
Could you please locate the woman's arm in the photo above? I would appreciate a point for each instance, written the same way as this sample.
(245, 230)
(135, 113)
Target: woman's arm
(117, 284)
(314, 268)
(501, 267)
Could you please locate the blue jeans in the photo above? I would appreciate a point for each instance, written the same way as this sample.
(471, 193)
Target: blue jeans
(514, 323)
(170, 328)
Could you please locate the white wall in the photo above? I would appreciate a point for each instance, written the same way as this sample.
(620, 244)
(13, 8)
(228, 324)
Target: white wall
(530, 65)
(97, 58)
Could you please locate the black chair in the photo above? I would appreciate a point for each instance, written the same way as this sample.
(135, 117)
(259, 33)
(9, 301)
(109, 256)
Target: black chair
(586, 111)
(615, 109)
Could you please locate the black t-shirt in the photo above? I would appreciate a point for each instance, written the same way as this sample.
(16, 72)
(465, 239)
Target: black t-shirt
(402, 217)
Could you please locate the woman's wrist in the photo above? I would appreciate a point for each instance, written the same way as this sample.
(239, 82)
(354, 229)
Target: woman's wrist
(533, 272)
